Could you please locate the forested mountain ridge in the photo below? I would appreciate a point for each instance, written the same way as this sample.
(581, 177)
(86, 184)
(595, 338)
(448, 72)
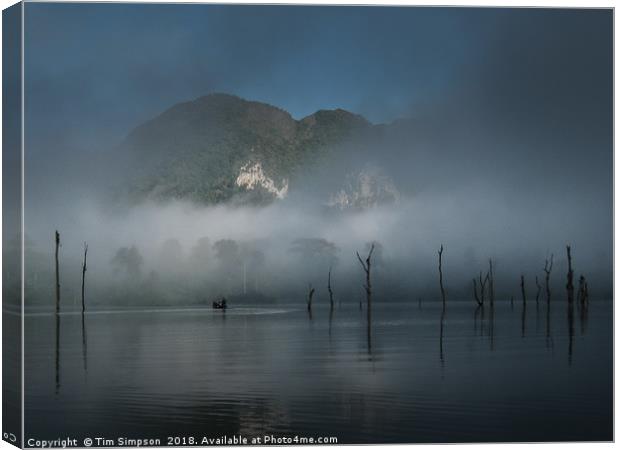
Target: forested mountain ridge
(220, 147)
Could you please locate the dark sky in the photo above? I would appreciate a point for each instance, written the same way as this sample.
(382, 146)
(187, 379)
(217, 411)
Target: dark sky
(94, 71)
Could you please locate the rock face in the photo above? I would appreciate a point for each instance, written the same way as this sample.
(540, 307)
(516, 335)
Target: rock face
(364, 189)
(220, 148)
(251, 177)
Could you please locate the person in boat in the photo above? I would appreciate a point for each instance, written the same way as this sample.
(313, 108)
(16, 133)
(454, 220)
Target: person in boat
(220, 305)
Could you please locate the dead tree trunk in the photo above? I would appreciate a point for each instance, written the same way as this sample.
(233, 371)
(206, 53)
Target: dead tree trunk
(367, 287)
(366, 267)
(538, 288)
(84, 275)
(329, 288)
(547, 269)
(476, 297)
(483, 283)
(443, 292)
(491, 283)
(310, 295)
(523, 289)
(57, 235)
(570, 289)
(582, 293)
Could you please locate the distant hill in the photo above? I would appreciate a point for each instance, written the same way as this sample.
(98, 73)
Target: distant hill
(220, 147)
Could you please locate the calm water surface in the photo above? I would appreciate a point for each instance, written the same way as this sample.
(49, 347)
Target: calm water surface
(501, 375)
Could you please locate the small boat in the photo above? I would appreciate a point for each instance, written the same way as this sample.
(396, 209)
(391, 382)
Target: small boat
(220, 305)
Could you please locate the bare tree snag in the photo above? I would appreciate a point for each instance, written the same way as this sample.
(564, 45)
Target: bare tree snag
(538, 288)
(582, 293)
(57, 236)
(366, 267)
(570, 289)
(547, 269)
(84, 275)
(523, 289)
(476, 297)
(310, 295)
(483, 283)
(329, 288)
(443, 292)
(367, 287)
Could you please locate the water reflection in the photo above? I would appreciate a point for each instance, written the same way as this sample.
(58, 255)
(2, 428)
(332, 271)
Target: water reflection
(548, 338)
(222, 363)
(492, 325)
(523, 317)
(441, 327)
(331, 318)
(583, 318)
(84, 345)
(369, 333)
(571, 330)
(57, 353)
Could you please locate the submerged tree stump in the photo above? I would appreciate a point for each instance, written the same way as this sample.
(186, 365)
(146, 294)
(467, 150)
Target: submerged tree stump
(57, 239)
(547, 269)
(443, 292)
(329, 289)
(366, 266)
(84, 276)
(570, 289)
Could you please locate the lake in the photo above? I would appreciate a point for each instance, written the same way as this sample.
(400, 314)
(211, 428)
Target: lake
(506, 374)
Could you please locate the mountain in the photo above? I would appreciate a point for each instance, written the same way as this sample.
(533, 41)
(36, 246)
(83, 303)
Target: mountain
(220, 147)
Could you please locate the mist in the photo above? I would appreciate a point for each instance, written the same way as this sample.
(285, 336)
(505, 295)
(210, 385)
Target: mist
(289, 244)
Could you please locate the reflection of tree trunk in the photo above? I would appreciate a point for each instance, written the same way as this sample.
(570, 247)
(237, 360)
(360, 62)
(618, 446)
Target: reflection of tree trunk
(84, 276)
(441, 327)
(443, 292)
(538, 289)
(548, 334)
(57, 236)
(571, 331)
(331, 316)
(57, 353)
(523, 312)
(583, 318)
(492, 325)
(84, 346)
(367, 287)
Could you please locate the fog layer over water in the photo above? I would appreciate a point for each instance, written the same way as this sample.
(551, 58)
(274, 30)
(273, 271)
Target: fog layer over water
(204, 251)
